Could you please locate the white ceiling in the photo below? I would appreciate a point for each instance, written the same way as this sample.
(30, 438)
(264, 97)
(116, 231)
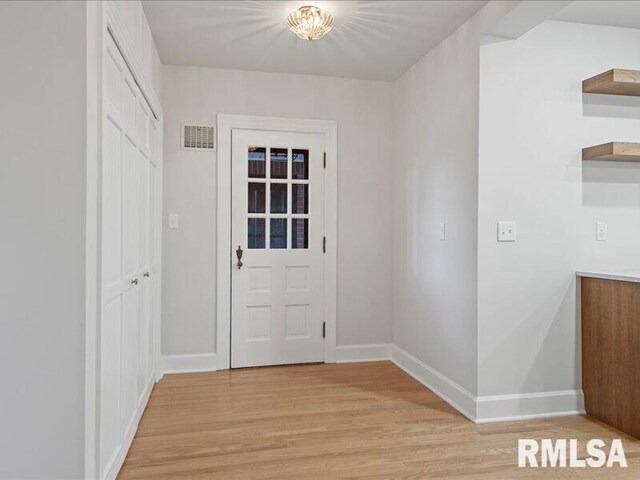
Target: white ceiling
(614, 13)
(375, 40)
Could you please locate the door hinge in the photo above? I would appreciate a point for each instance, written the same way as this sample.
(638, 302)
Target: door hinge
(324, 244)
(324, 329)
(324, 161)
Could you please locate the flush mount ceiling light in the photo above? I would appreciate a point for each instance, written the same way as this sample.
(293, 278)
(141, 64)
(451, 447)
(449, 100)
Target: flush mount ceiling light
(309, 22)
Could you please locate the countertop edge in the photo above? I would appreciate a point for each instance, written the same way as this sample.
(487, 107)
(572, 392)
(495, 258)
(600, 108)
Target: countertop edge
(619, 276)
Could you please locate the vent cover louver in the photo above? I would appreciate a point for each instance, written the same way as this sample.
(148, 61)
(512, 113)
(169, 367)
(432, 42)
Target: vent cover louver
(197, 137)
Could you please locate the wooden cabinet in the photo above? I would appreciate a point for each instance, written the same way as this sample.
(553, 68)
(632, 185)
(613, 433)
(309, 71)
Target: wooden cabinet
(611, 352)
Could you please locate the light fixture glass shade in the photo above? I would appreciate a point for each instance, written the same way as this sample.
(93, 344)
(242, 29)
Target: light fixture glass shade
(309, 22)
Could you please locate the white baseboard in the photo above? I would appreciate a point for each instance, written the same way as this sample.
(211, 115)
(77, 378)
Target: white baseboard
(363, 353)
(483, 409)
(200, 362)
(500, 408)
(452, 393)
(488, 409)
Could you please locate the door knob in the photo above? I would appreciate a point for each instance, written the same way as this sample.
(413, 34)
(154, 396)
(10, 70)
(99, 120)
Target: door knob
(134, 281)
(146, 274)
(239, 255)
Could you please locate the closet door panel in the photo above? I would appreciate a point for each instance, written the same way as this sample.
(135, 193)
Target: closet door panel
(129, 359)
(130, 234)
(129, 109)
(113, 79)
(131, 267)
(154, 287)
(143, 338)
(112, 205)
(143, 212)
(110, 334)
(110, 327)
(143, 247)
(143, 127)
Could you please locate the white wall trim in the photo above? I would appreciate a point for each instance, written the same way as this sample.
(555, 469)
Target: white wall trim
(500, 408)
(93, 271)
(363, 353)
(489, 409)
(329, 128)
(486, 409)
(199, 362)
(452, 393)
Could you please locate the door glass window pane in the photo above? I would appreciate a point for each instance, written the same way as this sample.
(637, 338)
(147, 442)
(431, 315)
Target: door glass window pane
(279, 163)
(256, 232)
(299, 198)
(300, 233)
(300, 164)
(257, 162)
(278, 198)
(278, 233)
(257, 194)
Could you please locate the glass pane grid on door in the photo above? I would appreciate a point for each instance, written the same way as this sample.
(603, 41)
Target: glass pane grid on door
(278, 198)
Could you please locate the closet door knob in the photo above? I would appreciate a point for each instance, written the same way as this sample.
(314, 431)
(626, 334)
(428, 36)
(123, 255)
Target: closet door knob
(146, 274)
(134, 281)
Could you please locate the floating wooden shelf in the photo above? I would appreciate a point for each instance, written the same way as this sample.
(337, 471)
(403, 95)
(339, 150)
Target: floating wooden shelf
(615, 82)
(613, 152)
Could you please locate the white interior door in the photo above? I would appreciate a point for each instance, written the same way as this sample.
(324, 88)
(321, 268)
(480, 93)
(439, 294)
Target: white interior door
(278, 224)
(129, 257)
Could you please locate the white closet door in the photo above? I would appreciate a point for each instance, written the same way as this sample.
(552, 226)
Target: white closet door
(131, 261)
(155, 220)
(113, 279)
(128, 184)
(110, 325)
(153, 286)
(143, 247)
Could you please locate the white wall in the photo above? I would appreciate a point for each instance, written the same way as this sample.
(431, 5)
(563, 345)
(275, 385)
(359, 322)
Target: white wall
(534, 121)
(42, 253)
(435, 172)
(361, 109)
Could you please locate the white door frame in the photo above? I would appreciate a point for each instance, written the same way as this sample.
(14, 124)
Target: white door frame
(226, 123)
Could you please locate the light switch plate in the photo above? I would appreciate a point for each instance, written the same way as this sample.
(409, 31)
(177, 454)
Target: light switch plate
(602, 233)
(442, 231)
(173, 220)
(506, 231)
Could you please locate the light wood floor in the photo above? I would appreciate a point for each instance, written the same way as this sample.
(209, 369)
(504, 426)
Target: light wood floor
(337, 421)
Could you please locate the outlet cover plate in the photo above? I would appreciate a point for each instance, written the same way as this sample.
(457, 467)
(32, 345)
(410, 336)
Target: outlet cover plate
(506, 231)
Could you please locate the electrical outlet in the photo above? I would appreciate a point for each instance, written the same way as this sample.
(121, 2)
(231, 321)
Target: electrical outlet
(173, 221)
(506, 231)
(442, 231)
(601, 232)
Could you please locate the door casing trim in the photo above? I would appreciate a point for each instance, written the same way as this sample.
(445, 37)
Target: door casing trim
(226, 123)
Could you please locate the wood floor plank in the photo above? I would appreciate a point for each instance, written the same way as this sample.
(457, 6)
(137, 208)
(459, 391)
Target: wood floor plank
(336, 421)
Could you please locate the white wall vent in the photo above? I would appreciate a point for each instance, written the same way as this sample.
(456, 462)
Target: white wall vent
(198, 137)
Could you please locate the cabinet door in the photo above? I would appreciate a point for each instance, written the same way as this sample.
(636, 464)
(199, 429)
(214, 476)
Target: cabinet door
(611, 352)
